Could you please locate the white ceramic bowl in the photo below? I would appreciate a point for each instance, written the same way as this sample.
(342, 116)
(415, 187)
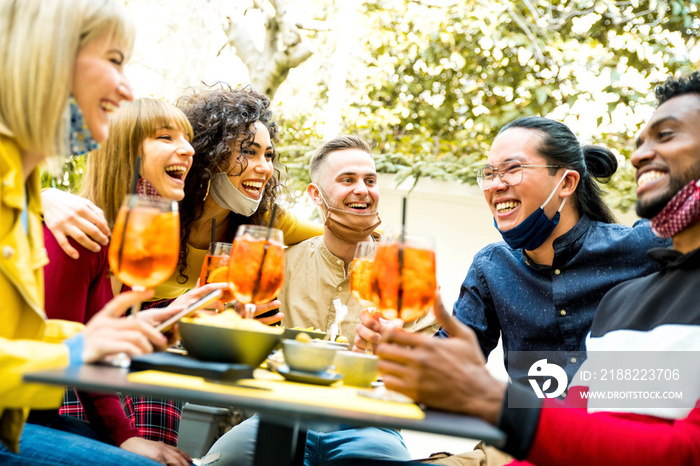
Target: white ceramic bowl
(359, 369)
(308, 357)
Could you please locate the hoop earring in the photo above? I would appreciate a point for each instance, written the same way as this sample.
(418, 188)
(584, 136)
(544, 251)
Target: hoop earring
(207, 193)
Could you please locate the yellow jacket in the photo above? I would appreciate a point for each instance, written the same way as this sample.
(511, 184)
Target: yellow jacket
(22, 259)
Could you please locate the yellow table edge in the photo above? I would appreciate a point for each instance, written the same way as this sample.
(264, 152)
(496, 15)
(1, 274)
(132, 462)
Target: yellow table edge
(335, 396)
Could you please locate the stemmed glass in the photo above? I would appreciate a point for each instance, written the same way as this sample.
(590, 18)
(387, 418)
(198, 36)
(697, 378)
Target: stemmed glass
(145, 247)
(215, 267)
(361, 274)
(145, 244)
(403, 277)
(256, 268)
(361, 277)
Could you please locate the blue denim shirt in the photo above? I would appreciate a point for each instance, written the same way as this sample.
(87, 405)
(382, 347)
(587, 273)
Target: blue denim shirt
(542, 308)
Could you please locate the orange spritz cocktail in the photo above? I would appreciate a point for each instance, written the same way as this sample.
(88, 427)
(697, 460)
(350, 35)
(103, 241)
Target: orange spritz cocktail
(256, 269)
(361, 273)
(405, 292)
(215, 268)
(145, 242)
(360, 281)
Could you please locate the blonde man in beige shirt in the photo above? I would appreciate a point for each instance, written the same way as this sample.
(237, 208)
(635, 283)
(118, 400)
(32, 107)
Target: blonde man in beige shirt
(344, 187)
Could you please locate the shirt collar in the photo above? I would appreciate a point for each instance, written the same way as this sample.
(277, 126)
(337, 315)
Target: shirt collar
(328, 256)
(146, 188)
(566, 246)
(671, 259)
(573, 234)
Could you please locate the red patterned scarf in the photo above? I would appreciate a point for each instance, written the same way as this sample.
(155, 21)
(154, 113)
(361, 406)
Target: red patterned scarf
(681, 211)
(145, 188)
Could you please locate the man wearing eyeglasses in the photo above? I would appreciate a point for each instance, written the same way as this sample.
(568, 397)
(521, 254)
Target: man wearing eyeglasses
(653, 321)
(562, 251)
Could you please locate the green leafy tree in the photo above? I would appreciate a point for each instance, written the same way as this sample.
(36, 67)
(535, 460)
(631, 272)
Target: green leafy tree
(440, 82)
(70, 179)
(431, 85)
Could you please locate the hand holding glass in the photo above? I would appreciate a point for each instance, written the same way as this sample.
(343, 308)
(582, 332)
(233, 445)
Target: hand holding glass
(361, 277)
(145, 246)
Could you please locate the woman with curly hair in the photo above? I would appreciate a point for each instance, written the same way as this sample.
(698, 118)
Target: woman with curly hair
(235, 180)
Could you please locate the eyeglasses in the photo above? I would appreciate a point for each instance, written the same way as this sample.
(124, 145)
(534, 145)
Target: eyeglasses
(510, 173)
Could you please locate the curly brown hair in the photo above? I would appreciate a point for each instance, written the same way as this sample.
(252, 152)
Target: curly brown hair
(222, 117)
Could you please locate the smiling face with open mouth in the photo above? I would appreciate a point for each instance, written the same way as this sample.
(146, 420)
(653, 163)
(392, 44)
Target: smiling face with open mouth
(167, 158)
(350, 181)
(99, 83)
(259, 156)
(668, 153)
(511, 205)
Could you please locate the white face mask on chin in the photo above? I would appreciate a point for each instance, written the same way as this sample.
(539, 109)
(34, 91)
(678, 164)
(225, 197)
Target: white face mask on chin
(229, 197)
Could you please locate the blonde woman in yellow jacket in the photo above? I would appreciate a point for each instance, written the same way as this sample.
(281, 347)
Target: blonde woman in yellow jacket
(41, 69)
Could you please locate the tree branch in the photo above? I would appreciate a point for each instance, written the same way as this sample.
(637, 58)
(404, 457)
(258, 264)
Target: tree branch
(662, 15)
(313, 25)
(239, 38)
(268, 7)
(537, 52)
(533, 11)
(283, 47)
(558, 23)
(618, 19)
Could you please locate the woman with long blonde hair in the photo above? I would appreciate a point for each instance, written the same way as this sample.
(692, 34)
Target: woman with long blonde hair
(160, 135)
(51, 49)
(134, 128)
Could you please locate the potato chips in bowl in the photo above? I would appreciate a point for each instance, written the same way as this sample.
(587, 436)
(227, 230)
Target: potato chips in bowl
(226, 337)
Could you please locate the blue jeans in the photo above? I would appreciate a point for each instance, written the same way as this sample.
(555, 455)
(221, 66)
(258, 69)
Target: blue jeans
(237, 446)
(40, 445)
(69, 424)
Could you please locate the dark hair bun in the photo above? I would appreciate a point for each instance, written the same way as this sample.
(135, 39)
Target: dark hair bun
(601, 163)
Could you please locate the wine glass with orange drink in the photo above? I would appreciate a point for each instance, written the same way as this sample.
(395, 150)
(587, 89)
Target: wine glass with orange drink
(145, 244)
(361, 276)
(256, 268)
(215, 267)
(403, 277)
(361, 273)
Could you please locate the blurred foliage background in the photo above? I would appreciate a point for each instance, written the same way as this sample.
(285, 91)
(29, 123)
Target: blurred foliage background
(430, 82)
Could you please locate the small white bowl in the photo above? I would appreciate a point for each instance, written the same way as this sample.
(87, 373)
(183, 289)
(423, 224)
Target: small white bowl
(359, 369)
(308, 357)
